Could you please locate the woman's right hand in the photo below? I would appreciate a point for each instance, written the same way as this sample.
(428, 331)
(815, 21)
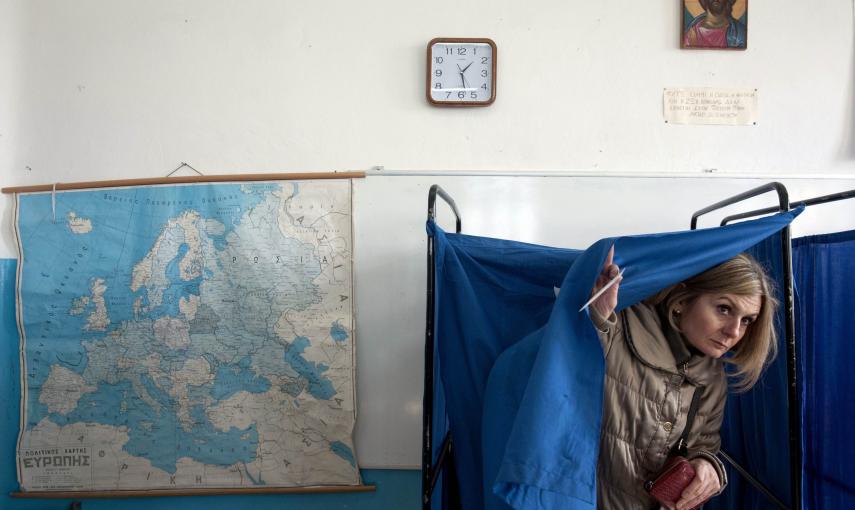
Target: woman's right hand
(606, 303)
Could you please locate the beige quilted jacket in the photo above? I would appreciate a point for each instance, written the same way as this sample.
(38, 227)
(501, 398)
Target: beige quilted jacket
(650, 378)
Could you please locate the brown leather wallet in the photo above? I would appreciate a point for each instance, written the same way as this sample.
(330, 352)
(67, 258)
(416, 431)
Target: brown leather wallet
(675, 476)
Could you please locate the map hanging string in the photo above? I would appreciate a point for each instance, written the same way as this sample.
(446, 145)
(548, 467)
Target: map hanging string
(182, 165)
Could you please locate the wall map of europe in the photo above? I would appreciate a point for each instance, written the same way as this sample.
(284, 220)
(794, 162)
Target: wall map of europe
(187, 336)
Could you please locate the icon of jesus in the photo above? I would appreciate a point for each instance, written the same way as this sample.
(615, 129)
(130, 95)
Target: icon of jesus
(715, 24)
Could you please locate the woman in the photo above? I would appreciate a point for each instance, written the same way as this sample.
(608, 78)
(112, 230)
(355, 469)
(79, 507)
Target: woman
(675, 345)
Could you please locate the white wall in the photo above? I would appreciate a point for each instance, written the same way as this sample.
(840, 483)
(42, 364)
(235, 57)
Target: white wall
(96, 89)
(102, 89)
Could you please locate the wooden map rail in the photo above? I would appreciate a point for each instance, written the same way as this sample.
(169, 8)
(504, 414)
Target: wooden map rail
(191, 492)
(183, 179)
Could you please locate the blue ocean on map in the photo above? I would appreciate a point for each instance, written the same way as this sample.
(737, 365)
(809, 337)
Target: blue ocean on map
(319, 387)
(238, 377)
(156, 434)
(177, 289)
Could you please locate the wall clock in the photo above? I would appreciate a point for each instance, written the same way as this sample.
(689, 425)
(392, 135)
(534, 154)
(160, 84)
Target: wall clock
(461, 71)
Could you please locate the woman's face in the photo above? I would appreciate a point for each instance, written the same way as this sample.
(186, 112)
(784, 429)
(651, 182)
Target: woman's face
(715, 323)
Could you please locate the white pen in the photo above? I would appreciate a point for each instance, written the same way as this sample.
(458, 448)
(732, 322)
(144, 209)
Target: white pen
(605, 288)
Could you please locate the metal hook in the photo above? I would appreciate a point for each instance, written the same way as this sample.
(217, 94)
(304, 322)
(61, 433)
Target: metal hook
(53, 201)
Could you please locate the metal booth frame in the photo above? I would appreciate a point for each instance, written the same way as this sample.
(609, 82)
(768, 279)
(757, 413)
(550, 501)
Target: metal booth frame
(444, 465)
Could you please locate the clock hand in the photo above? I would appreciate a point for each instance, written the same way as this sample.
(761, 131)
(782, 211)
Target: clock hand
(465, 68)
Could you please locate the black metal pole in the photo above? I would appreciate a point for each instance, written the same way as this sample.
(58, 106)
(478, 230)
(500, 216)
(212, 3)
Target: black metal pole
(755, 482)
(444, 452)
(834, 197)
(432, 194)
(759, 190)
(427, 399)
(793, 395)
(430, 473)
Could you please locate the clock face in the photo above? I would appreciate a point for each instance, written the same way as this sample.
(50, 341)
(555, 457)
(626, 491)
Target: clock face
(462, 72)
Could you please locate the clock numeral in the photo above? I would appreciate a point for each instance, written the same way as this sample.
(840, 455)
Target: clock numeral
(484, 73)
(438, 60)
(461, 51)
(447, 95)
(461, 95)
(437, 85)
(449, 50)
(484, 60)
(473, 95)
(484, 86)
(438, 72)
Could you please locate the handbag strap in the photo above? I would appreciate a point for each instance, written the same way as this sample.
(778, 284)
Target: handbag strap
(681, 447)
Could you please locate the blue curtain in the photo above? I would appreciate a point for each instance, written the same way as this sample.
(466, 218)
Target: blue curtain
(824, 267)
(755, 432)
(489, 294)
(498, 296)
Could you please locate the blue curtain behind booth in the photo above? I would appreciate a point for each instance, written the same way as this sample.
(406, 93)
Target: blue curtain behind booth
(541, 419)
(755, 431)
(824, 266)
(489, 294)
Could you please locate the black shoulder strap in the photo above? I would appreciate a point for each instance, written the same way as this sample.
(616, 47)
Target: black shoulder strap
(681, 447)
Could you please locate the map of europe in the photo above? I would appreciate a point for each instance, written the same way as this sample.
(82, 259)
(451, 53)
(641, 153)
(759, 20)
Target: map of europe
(187, 336)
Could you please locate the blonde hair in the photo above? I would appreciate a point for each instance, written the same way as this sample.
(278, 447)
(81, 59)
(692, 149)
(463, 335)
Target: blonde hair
(743, 276)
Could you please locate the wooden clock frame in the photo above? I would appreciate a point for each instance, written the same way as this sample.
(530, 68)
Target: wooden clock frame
(461, 40)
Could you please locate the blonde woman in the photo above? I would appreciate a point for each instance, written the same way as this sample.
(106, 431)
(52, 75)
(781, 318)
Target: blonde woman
(658, 353)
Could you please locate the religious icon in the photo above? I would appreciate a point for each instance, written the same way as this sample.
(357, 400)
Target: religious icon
(715, 24)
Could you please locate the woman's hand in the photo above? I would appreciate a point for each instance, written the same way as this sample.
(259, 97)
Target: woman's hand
(606, 304)
(704, 486)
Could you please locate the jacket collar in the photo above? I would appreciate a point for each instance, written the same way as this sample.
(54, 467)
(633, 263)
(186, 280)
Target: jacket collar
(656, 344)
(676, 342)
